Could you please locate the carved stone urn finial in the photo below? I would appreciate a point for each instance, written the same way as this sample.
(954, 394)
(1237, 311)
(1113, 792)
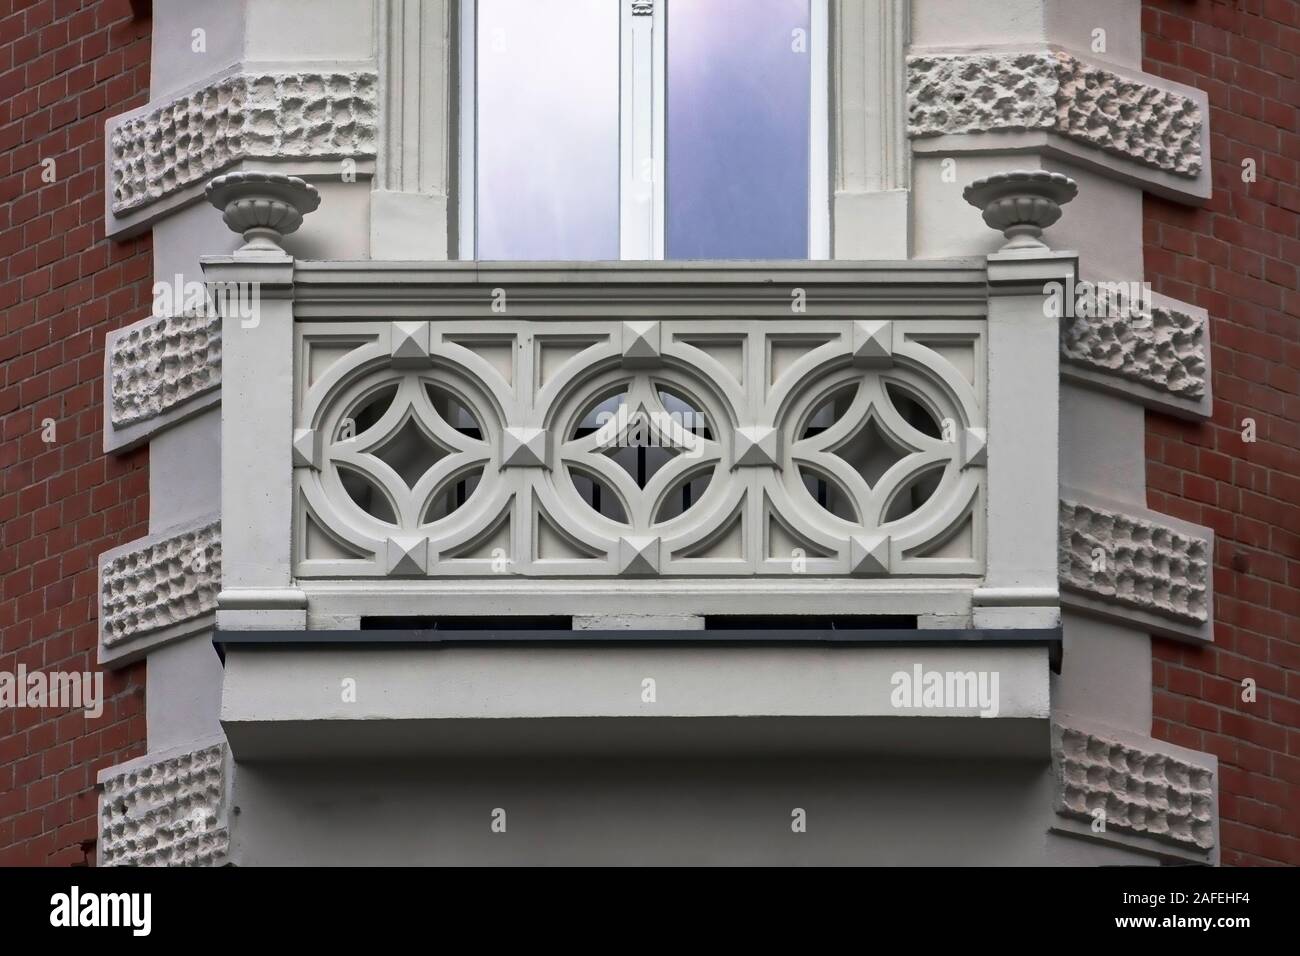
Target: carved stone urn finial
(263, 207)
(1021, 203)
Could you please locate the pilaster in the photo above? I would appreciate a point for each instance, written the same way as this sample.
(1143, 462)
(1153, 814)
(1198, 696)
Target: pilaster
(870, 206)
(1021, 587)
(257, 444)
(409, 206)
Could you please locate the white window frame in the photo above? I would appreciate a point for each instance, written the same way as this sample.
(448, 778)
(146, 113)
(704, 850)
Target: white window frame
(642, 144)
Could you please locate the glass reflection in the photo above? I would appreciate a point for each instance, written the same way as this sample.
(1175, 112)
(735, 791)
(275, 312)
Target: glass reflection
(547, 129)
(737, 129)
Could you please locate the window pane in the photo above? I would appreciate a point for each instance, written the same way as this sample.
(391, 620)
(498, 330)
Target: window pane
(737, 129)
(547, 129)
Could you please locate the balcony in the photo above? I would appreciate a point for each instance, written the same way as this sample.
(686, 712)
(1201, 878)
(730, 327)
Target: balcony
(412, 439)
(635, 450)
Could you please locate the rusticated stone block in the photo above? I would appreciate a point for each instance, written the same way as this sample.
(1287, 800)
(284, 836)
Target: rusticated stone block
(1164, 349)
(163, 582)
(1133, 561)
(166, 812)
(1140, 792)
(163, 362)
(316, 115)
(1055, 92)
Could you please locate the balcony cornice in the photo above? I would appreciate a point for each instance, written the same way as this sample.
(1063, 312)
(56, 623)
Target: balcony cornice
(356, 289)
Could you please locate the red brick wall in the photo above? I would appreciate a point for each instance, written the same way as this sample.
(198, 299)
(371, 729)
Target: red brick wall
(1237, 257)
(65, 66)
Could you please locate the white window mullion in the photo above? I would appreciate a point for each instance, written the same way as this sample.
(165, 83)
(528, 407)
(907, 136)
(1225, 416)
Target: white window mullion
(659, 107)
(819, 208)
(467, 199)
(640, 96)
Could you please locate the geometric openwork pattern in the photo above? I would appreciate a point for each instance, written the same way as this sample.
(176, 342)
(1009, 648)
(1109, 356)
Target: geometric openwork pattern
(677, 447)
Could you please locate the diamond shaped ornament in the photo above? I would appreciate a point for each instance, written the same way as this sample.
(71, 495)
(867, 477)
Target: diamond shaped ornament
(868, 554)
(873, 343)
(406, 555)
(640, 343)
(756, 445)
(638, 556)
(410, 344)
(523, 447)
(306, 448)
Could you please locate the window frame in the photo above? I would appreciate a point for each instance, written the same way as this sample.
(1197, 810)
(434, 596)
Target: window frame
(642, 122)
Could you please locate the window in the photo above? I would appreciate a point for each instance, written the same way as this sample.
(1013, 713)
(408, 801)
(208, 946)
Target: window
(547, 143)
(643, 129)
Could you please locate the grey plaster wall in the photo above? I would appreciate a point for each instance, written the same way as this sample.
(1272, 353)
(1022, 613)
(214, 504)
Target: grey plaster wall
(961, 23)
(653, 812)
(306, 29)
(183, 693)
(185, 471)
(1068, 23)
(1103, 224)
(1103, 443)
(184, 687)
(1106, 673)
(1071, 23)
(1106, 670)
(174, 62)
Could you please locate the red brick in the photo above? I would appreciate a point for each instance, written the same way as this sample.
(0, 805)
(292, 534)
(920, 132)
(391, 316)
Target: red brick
(62, 285)
(1236, 257)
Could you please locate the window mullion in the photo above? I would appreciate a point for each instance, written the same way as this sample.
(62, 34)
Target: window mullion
(467, 187)
(819, 233)
(660, 108)
(640, 129)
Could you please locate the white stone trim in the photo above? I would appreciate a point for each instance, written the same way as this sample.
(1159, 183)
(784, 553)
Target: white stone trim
(257, 435)
(414, 56)
(819, 161)
(341, 604)
(157, 373)
(871, 174)
(1132, 124)
(641, 117)
(1022, 455)
(166, 149)
(1154, 571)
(395, 290)
(1162, 361)
(466, 164)
(410, 205)
(479, 700)
(167, 809)
(1151, 794)
(157, 589)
